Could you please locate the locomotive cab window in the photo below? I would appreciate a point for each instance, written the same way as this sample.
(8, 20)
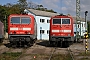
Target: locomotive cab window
(65, 21)
(25, 20)
(20, 20)
(15, 20)
(56, 21)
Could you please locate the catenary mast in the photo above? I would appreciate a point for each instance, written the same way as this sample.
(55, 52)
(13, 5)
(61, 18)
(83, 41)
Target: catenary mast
(78, 16)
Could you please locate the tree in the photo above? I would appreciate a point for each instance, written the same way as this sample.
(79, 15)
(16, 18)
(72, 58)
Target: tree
(2, 13)
(8, 5)
(22, 4)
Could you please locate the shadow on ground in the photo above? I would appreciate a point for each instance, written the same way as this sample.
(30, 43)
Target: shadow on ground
(43, 43)
(46, 44)
(14, 46)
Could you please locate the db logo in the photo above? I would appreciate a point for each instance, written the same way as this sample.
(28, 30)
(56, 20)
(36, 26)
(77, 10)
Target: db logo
(20, 28)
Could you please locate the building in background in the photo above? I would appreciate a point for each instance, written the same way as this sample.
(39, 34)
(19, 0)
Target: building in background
(79, 28)
(42, 18)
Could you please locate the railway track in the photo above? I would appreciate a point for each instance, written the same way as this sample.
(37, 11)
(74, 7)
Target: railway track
(24, 50)
(69, 50)
(55, 49)
(52, 52)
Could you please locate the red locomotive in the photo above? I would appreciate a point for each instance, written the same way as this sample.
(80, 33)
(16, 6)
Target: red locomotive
(22, 29)
(61, 30)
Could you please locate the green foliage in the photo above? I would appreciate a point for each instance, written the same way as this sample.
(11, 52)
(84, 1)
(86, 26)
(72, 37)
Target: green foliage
(2, 13)
(10, 55)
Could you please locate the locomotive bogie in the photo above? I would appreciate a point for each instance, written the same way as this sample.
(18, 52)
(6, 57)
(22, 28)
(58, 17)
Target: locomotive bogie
(56, 38)
(21, 40)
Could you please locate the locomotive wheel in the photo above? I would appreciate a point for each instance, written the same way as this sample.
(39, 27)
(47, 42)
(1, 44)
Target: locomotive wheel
(29, 44)
(20, 43)
(13, 46)
(25, 46)
(66, 44)
(51, 43)
(1, 40)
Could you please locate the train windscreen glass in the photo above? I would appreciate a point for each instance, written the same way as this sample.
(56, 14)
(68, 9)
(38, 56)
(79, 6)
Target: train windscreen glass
(25, 20)
(56, 21)
(65, 21)
(15, 20)
(20, 20)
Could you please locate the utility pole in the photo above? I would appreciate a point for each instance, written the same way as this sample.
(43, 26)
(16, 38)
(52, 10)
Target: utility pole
(5, 25)
(78, 16)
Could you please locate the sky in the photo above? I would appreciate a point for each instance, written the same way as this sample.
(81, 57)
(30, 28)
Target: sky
(60, 6)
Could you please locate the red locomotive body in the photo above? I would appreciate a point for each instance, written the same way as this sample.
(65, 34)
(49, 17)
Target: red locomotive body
(61, 29)
(21, 29)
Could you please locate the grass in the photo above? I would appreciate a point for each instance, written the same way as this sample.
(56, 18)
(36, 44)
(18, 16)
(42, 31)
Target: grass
(84, 54)
(62, 57)
(10, 56)
(84, 58)
(37, 56)
(46, 57)
(14, 56)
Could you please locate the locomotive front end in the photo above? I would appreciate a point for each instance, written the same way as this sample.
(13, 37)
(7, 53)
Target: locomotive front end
(20, 29)
(61, 29)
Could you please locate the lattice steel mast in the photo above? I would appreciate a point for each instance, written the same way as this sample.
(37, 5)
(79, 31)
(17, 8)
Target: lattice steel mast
(78, 16)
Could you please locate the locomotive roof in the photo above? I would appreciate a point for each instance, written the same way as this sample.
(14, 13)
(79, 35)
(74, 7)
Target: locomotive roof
(42, 13)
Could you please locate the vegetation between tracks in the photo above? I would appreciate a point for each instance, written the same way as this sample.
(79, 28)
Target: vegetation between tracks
(15, 55)
(46, 57)
(83, 56)
(10, 55)
(61, 57)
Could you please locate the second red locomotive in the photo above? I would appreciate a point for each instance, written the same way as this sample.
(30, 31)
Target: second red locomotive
(61, 30)
(22, 29)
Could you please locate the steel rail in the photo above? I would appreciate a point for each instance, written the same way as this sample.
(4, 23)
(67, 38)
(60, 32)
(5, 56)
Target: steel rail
(69, 50)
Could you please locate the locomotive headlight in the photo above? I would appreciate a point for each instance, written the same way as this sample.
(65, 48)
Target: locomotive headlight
(68, 34)
(10, 32)
(53, 34)
(28, 32)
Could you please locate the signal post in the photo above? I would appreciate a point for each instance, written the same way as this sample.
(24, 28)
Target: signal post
(86, 33)
(86, 43)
